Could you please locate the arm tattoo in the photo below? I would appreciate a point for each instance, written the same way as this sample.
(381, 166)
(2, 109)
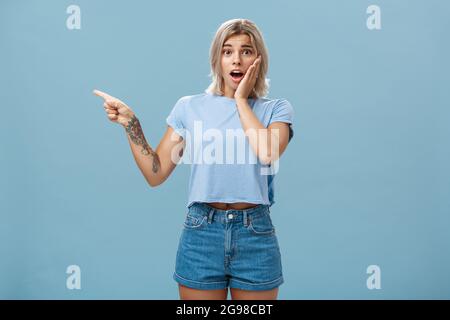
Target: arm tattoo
(136, 134)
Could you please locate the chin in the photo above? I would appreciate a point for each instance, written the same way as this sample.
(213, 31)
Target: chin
(234, 85)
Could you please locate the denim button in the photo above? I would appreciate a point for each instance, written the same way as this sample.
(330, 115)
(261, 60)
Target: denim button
(230, 216)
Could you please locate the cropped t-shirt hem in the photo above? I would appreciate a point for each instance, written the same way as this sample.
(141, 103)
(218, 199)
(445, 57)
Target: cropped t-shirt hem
(229, 201)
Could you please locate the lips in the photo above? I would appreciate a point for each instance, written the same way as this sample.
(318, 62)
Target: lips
(237, 75)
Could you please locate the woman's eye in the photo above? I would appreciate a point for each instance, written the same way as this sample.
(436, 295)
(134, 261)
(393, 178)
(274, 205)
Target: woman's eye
(247, 52)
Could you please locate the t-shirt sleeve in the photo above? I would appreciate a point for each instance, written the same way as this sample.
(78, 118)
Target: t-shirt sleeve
(176, 117)
(282, 112)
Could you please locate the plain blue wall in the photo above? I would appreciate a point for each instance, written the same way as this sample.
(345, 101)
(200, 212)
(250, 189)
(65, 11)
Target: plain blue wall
(364, 182)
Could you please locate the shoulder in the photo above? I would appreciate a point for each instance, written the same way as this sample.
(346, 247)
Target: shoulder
(281, 103)
(192, 98)
(276, 104)
(278, 110)
(187, 100)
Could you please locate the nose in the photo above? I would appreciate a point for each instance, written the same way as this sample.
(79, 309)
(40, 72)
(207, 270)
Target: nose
(237, 59)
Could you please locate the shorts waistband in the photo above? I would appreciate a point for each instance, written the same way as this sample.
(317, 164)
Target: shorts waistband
(227, 216)
(207, 209)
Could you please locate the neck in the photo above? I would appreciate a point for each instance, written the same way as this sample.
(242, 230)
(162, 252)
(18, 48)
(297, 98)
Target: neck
(229, 93)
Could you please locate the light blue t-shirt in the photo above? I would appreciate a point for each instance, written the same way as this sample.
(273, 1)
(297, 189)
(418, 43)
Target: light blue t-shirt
(224, 167)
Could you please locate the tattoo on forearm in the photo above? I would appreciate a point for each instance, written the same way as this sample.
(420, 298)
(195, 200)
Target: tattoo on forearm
(136, 134)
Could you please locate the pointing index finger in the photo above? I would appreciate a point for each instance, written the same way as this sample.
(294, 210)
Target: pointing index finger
(102, 94)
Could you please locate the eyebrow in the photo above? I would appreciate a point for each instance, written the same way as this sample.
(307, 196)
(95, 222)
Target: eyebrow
(243, 46)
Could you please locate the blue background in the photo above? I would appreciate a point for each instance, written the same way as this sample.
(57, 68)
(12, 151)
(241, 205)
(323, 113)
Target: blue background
(364, 182)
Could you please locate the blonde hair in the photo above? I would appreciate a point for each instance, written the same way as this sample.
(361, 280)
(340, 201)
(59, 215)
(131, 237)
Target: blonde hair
(226, 30)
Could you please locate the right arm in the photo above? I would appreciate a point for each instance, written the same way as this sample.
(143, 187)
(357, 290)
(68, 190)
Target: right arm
(155, 165)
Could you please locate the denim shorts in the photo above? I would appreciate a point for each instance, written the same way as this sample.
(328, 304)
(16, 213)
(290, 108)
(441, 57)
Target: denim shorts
(228, 248)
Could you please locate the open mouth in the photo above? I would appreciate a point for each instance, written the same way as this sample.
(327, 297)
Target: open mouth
(236, 75)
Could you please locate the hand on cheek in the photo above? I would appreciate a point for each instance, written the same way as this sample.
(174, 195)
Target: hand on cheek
(248, 82)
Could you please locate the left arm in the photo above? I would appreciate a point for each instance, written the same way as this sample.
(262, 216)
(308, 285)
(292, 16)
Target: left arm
(267, 143)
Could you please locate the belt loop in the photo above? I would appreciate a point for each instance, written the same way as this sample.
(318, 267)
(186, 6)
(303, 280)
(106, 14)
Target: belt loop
(210, 215)
(245, 218)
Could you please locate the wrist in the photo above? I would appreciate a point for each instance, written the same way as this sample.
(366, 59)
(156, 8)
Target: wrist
(132, 121)
(241, 101)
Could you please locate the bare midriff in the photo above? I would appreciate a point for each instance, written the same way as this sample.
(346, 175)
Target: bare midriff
(232, 206)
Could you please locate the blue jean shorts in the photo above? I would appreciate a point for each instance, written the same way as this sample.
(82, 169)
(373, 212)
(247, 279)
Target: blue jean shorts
(228, 248)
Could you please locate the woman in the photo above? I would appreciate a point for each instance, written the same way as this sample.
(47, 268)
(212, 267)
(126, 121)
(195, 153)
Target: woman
(228, 239)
